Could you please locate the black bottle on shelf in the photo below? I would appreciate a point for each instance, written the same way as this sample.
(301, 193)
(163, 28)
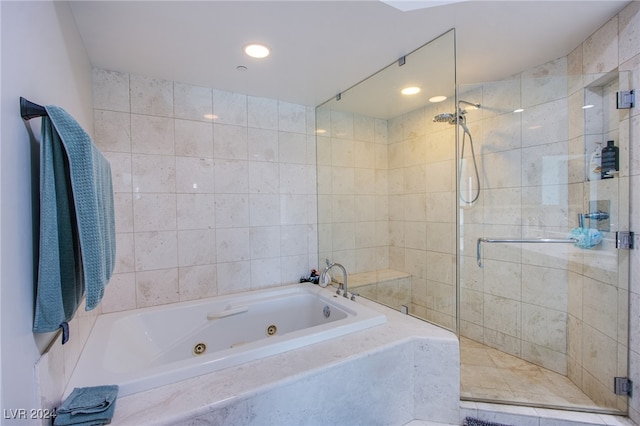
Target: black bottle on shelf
(610, 160)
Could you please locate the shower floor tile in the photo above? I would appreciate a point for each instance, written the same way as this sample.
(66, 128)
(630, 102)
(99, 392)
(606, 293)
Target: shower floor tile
(489, 374)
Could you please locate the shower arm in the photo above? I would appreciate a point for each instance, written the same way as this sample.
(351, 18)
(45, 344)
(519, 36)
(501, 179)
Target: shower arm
(514, 240)
(476, 106)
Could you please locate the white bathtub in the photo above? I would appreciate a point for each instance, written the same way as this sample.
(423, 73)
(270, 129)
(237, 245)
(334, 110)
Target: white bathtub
(151, 347)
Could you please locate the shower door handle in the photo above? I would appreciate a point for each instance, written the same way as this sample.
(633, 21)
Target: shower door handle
(515, 240)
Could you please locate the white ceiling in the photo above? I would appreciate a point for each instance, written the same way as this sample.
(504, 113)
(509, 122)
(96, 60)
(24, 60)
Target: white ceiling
(320, 48)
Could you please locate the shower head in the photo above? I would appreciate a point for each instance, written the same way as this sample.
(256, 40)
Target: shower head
(445, 117)
(453, 118)
(448, 117)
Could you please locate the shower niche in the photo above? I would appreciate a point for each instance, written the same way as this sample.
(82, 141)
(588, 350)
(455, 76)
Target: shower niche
(601, 121)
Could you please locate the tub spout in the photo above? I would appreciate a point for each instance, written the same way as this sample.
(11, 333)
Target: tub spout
(344, 275)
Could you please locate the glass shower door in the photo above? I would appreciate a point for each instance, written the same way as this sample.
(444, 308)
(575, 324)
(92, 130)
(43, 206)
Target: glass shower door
(543, 288)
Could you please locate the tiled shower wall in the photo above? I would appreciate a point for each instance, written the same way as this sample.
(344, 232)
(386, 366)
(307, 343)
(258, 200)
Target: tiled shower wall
(422, 210)
(616, 45)
(597, 344)
(215, 192)
(353, 215)
(386, 200)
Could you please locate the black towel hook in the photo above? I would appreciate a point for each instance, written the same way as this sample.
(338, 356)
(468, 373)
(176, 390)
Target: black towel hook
(29, 110)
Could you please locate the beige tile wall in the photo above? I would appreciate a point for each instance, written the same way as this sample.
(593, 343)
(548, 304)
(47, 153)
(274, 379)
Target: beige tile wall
(352, 191)
(215, 192)
(422, 209)
(598, 338)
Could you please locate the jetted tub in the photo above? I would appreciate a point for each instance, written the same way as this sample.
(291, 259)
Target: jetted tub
(151, 347)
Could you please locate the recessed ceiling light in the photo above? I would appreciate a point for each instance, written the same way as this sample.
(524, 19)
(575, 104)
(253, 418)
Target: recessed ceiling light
(518, 110)
(256, 50)
(588, 106)
(211, 116)
(435, 99)
(412, 90)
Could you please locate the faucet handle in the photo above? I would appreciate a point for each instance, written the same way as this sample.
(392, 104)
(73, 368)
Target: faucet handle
(339, 289)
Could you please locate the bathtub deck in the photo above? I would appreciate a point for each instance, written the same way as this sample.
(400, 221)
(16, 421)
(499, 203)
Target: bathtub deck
(393, 373)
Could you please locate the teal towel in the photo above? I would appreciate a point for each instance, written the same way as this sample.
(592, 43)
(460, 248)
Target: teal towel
(59, 290)
(587, 237)
(88, 406)
(77, 225)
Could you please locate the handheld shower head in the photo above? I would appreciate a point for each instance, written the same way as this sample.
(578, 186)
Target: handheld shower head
(459, 118)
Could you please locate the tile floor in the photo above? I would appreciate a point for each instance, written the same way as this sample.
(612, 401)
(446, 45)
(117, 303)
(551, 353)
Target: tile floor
(490, 374)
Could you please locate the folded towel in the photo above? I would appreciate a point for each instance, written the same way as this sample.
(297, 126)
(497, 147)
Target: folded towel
(88, 406)
(587, 237)
(77, 225)
(470, 421)
(87, 423)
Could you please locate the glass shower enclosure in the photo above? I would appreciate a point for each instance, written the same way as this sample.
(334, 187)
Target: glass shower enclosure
(386, 191)
(476, 207)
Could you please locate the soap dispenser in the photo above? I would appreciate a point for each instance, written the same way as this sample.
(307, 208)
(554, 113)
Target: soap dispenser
(610, 160)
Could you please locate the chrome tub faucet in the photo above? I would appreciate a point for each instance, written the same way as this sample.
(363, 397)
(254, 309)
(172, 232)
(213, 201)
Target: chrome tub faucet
(344, 277)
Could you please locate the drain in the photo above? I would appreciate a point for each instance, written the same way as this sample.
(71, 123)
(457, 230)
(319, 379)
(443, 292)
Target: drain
(199, 349)
(326, 311)
(271, 330)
